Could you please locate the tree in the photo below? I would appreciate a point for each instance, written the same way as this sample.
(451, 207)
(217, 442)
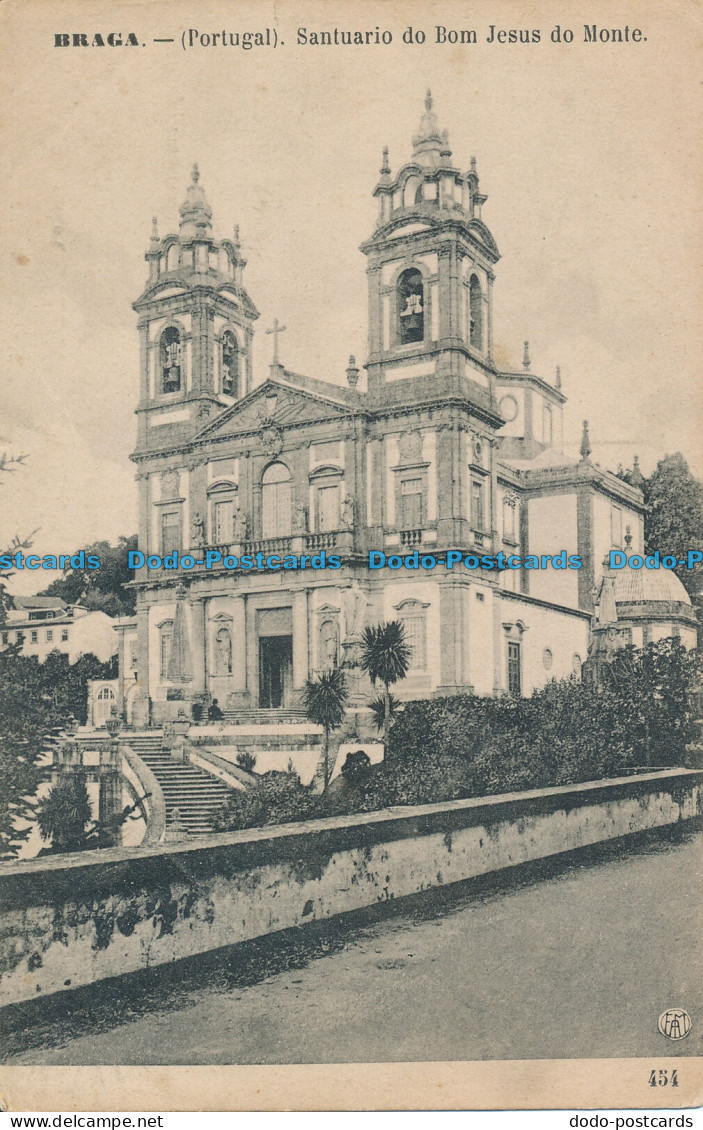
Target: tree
(9, 464)
(27, 717)
(673, 521)
(674, 518)
(325, 699)
(103, 589)
(385, 656)
(378, 710)
(64, 815)
(66, 684)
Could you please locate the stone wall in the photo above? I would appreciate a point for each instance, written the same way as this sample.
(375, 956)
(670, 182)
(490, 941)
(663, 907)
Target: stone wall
(76, 919)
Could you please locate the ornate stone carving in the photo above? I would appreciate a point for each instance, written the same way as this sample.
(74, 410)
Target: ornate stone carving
(410, 447)
(272, 441)
(170, 483)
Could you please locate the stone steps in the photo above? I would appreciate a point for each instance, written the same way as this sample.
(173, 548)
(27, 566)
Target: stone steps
(193, 797)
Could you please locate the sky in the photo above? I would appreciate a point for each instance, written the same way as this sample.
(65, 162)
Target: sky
(587, 152)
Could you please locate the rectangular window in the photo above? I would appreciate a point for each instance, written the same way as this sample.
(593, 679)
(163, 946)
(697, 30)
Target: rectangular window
(223, 513)
(327, 508)
(34, 637)
(5, 637)
(616, 526)
(49, 635)
(64, 634)
(478, 515)
(415, 625)
(514, 669)
(170, 531)
(412, 504)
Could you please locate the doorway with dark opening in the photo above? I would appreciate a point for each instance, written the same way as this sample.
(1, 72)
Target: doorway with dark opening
(275, 671)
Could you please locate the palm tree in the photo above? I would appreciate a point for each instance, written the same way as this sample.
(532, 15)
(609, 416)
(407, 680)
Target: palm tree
(385, 656)
(324, 699)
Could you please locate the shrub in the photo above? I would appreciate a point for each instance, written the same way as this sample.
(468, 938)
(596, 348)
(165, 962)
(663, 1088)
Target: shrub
(246, 760)
(276, 798)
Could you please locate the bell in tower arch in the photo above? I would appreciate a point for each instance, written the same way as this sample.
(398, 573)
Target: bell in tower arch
(411, 307)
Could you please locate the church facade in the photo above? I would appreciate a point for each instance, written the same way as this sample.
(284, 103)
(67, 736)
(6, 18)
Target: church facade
(434, 450)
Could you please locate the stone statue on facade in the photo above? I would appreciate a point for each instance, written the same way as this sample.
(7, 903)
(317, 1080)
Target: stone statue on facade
(198, 531)
(355, 606)
(300, 515)
(347, 514)
(240, 526)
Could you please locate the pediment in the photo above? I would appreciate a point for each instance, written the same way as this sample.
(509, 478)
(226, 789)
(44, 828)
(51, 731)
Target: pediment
(256, 413)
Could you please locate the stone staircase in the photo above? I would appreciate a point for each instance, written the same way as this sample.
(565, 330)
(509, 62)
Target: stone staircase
(197, 795)
(259, 717)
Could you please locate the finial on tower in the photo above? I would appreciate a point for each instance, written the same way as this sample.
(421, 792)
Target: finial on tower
(154, 230)
(352, 372)
(585, 448)
(558, 380)
(385, 163)
(636, 478)
(526, 356)
(473, 165)
(196, 214)
(428, 141)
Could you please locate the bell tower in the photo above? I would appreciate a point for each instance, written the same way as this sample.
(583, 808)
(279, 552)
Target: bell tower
(430, 269)
(196, 325)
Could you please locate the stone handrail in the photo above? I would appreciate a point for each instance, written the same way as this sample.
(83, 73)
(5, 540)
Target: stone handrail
(155, 805)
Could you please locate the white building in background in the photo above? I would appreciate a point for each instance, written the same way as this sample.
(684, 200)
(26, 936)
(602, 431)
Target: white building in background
(41, 624)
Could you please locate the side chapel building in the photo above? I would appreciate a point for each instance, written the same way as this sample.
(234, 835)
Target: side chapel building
(440, 450)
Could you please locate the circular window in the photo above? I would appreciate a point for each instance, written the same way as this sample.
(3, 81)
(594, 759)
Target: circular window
(508, 408)
(547, 658)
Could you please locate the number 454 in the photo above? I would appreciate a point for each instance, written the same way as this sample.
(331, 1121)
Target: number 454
(662, 1078)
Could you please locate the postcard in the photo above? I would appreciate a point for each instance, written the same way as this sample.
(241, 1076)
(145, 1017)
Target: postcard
(351, 739)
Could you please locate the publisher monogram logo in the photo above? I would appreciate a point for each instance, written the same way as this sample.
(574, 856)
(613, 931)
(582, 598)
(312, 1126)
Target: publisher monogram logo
(674, 1023)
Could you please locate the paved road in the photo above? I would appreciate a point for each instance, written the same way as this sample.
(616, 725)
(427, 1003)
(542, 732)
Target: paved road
(578, 965)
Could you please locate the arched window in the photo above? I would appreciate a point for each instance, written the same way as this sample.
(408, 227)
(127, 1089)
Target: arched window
(475, 313)
(172, 258)
(412, 191)
(230, 364)
(411, 307)
(165, 641)
(171, 359)
(276, 502)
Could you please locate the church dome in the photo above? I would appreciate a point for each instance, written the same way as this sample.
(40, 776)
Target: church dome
(644, 586)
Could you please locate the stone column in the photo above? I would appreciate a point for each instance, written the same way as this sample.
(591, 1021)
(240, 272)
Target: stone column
(453, 638)
(301, 638)
(142, 712)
